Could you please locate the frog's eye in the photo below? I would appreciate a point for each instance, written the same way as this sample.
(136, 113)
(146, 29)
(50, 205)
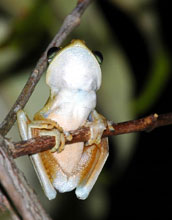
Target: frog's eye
(52, 53)
(98, 56)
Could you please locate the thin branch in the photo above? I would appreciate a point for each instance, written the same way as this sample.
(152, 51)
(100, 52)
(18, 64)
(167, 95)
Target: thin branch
(39, 144)
(70, 22)
(6, 206)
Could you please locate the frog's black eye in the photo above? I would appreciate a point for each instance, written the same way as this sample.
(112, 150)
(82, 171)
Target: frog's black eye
(52, 53)
(98, 56)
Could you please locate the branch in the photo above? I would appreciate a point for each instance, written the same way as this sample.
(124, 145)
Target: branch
(16, 187)
(39, 144)
(6, 206)
(70, 22)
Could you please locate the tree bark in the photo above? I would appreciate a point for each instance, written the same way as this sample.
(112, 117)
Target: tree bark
(18, 190)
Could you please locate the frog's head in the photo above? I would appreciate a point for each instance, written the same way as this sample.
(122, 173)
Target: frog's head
(74, 67)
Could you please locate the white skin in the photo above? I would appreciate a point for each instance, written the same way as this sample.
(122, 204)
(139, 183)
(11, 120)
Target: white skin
(74, 76)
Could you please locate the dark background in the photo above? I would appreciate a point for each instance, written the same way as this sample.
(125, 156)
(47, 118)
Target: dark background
(144, 191)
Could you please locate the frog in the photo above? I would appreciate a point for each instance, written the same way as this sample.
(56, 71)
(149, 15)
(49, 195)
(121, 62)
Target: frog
(73, 76)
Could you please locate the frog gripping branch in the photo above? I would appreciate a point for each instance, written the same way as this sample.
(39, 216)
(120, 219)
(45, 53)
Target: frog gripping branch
(74, 76)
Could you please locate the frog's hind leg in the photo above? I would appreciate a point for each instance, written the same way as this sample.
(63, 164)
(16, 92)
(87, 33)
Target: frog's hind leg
(39, 162)
(43, 176)
(97, 157)
(25, 128)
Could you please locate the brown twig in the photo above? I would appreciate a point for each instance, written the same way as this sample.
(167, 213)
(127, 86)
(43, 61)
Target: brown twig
(70, 22)
(39, 144)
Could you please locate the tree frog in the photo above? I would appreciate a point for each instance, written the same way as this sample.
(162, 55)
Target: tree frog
(74, 76)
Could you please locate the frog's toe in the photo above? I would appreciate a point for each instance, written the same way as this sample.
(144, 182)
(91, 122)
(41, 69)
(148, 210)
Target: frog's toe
(68, 136)
(62, 143)
(54, 149)
(110, 125)
(60, 146)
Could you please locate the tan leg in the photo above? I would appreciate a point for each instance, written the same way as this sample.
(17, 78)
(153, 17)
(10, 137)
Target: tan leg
(38, 128)
(25, 128)
(97, 158)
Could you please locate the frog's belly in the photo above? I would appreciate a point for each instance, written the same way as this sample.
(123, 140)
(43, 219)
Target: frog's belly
(62, 168)
(69, 158)
(64, 173)
(64, 183)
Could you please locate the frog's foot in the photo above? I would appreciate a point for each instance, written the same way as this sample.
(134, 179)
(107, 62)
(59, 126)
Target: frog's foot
(60, 140)
(50, 128)
(97, 126)
(60, 143)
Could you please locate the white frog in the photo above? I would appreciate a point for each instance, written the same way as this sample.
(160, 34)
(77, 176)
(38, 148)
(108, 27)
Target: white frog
(74, 76)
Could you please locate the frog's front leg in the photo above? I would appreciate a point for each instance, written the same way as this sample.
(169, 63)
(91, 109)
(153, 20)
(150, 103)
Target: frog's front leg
(97, 124)
(30, 129)
(43, 128)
